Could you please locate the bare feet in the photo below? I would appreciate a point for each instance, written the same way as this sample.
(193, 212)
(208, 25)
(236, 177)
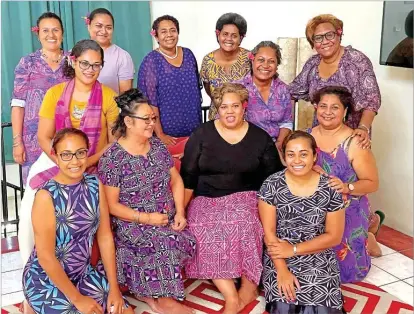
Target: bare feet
(171, 306)
(373, 247)
(152, 303)
(373, 227)
(26, 308)
(231, 306)
(247, 293)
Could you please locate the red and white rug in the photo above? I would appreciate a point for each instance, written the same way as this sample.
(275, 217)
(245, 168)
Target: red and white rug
(204, 298)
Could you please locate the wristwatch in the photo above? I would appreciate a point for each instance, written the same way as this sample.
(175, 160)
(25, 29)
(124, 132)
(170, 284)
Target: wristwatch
(351, 187)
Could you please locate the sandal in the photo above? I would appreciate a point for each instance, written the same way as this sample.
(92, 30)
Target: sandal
(382, 218)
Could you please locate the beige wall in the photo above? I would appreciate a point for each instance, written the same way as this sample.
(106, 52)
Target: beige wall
(393, 127)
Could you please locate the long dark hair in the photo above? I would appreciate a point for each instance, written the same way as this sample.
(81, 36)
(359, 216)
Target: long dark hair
(128, 102)
(80, 47)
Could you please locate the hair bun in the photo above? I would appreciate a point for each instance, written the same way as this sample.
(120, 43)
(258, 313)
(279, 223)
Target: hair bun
(131, 95)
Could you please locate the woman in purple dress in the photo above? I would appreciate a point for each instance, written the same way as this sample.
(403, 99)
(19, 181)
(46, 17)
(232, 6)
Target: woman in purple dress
(269, 105)
(34, 75)
(341, 66)
(146, 199)
(168, 77)
(354, 173)
(69, 210)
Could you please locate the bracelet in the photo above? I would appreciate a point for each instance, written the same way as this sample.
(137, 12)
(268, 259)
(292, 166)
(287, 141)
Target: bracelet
(16, 136)
(294, 249)
(17, 144)
(135, 217)
(363, 127)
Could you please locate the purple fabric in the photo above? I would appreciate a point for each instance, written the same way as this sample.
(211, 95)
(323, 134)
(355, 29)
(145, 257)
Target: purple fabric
(176, 91)
(118, 66)
(77, 220)
(90, 124)
(273, 115)
(149, 259)
(33, 77)
(352, 255)
(355, 72)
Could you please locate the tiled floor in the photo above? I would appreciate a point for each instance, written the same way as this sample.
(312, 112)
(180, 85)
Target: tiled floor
(393, 271)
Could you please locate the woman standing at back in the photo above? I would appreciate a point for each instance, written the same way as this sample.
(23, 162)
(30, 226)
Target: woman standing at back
(118, 71)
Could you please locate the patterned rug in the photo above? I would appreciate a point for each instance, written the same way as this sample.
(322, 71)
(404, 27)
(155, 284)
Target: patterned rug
(205, 298)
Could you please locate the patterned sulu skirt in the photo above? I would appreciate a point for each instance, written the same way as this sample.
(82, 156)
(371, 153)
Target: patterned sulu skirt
(229, 237)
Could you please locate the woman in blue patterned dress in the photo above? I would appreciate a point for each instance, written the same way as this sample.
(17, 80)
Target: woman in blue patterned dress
(68, 211)
(303, 219)
(146, 200)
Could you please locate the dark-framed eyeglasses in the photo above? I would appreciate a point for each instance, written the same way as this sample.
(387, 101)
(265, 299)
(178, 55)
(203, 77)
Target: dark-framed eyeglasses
(329, 36)
(85, 65)
(147, 119)
(68, 156)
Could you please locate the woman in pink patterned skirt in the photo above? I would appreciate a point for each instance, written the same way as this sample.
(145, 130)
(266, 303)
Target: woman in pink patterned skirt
(225, 162)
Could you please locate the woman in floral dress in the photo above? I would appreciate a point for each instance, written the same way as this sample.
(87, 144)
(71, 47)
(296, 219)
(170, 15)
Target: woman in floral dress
(69, 210)
(146, 199)
(354, 173)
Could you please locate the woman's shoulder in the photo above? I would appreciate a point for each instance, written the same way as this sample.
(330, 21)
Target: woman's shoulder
(209, 58)
(108, 91)
(113, 152)
(57, 90)
(121, 51)
(354, 55)
(312, 62)
(276, 178)
(91, 180)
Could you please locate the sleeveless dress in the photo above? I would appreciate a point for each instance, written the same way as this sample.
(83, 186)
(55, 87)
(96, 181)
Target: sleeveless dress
(77, 220)
(353, 257)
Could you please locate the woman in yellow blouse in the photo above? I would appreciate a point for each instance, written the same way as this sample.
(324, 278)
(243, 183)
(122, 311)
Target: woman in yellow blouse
(82, 103)
(228, 63)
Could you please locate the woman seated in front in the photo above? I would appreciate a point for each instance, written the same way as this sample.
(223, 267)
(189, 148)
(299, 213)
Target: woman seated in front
(303, 219)
(68, 211)
(353, 173)
(145, 194)
(225, 162)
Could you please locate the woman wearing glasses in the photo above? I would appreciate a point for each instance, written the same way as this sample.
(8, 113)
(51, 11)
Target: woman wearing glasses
(145, 194)
(58, 277)
(337, 65)
(82, 103)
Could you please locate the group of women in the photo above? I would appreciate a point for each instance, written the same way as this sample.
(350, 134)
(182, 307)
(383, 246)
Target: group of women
(214, 199)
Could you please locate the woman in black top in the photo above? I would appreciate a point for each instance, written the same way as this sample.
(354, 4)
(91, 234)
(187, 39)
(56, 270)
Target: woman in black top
(224, 164)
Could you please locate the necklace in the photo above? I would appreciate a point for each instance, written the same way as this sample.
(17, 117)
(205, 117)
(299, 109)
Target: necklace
(167, 56)
(46, 58)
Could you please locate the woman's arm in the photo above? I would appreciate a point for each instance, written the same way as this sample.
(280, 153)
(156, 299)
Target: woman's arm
(17, 115)
(267, 215)
(177, 187)
(125, 72)
(128, 214)
(45, 133)
(125, 85)
(364, 164)
(44, 226)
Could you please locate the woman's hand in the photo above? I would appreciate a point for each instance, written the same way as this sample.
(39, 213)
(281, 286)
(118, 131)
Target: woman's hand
(286, 282)
(338, 185)
(319, 170)
(87, 305)
(167, 140)
(179, 223)
(364, 141)
(115, 302)
(157, 219)
(19, 155)
(281, 249)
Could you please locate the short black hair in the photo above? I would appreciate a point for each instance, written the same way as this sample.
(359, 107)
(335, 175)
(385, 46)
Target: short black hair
(50, 15)
(300, 134)
(234, 19)
(101, 11)
(344, 95)
(157, 22)
(77, 50)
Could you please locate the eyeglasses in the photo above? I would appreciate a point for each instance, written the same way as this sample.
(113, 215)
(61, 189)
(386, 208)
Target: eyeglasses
(68, 156)
(85, 65)
(329, 36)
(147, 120)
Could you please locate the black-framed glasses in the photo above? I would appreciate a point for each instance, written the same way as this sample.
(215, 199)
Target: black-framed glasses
(85, 65)
(147, 120)
(68, 156)
(329, 36)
